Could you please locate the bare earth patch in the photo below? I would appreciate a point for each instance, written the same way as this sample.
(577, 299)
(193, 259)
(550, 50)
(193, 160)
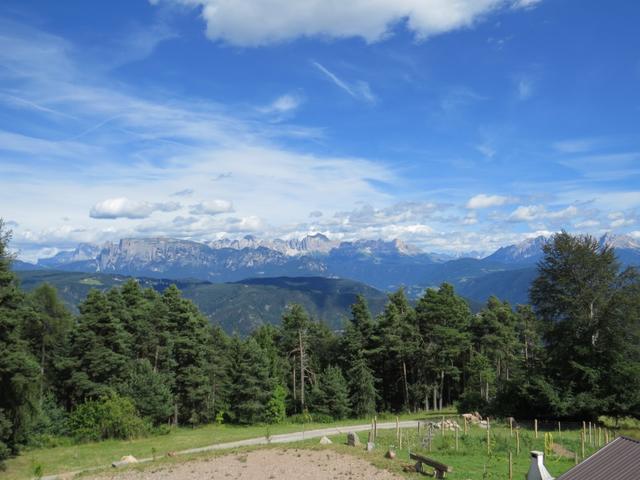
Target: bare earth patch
(289, 464)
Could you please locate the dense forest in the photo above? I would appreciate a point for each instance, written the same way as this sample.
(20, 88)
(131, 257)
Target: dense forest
(134, 360)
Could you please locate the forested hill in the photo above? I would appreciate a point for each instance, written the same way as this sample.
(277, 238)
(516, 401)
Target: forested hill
(238, 307)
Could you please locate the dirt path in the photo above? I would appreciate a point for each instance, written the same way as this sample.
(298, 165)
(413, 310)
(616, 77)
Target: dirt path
(280, 464)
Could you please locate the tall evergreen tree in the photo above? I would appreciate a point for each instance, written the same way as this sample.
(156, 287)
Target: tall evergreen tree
(362, 389)
(19, 371)
(46, 329)
(251, 387)
(330, 394)
(295, 343)
(592, 319)
(99, 348)
(191, 343)
(443, 320)
(396, 346)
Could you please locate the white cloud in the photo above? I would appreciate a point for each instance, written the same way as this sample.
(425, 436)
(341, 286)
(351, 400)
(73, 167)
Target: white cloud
(186, 192)
(530, 213)
(485, 201)
(283, 104)
(122, 207)
(526, 3)
(259, 22)
(524, 88)
(359, 90)
(213, 207)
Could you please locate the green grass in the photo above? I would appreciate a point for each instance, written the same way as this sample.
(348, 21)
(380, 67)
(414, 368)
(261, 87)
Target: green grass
(76, 457)
(471, 460)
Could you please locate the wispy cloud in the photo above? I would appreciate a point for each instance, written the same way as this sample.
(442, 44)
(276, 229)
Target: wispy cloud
(359, 90)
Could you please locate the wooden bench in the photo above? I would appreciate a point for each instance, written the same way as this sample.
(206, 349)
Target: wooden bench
(440, 469)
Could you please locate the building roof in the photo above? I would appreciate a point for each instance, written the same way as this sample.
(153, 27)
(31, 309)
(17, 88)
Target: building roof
(618, 460)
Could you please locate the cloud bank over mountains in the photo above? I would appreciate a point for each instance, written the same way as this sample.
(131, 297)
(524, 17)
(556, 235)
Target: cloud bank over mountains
(357, 120)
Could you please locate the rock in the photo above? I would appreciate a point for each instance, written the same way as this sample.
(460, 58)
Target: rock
(390, 454)
(473, 418)
(126, 460)
(325, 441)
(370, 446)
(352, 439)
(171, 454)
(483, 424)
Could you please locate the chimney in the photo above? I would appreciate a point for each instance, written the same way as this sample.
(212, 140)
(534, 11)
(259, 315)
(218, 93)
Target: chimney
(537, 470)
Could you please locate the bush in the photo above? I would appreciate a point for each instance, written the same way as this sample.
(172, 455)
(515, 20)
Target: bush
(300, 418)
(277, 406)
(471, 401)
(109, 417)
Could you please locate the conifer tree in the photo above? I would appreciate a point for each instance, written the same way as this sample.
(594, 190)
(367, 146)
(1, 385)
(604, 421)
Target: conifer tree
(191, 342)
(99, 348)
(251, 387)
(19, 372)
(331, 394)
(443, 320)
(46, 328)
(362, 389)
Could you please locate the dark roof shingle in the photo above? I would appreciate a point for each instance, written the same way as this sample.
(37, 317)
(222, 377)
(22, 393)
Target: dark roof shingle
(619, 460)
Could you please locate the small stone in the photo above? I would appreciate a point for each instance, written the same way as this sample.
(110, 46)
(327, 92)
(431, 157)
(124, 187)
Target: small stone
(390, 454)
(352, 439)
(325, 441)
(126, 460)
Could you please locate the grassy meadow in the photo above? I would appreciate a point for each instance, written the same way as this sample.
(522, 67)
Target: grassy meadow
(470, 460)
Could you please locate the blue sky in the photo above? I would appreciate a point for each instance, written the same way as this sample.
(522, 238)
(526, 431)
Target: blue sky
(454, 126)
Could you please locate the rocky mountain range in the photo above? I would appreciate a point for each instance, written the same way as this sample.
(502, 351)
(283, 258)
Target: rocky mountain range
(385, 265)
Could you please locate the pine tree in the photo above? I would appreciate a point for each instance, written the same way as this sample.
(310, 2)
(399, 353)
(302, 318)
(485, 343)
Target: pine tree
(362, 389)
(331, 394)
(99, 348)
(591, 312)
(19, 371)
(46, 328)
(397, 346)
(443, 320)
(191, 343)
(251, 387)
(149, 391)
(295, 344)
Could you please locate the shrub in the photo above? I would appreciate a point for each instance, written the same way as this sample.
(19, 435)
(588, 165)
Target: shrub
(277, 407)
(108, 417)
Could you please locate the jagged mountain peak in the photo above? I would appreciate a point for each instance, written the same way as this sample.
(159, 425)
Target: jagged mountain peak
(619, 241)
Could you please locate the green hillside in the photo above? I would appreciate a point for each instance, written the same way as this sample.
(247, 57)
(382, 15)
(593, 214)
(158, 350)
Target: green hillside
(237, 307)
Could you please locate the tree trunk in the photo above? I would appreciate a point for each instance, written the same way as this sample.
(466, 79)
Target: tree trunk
(406, 387)
(42, 357)
(175, 414)
(435, 396)
(441, 387)
(301, 346)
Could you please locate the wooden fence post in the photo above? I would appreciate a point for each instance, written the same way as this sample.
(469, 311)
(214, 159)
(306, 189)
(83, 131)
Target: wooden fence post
(488, 437)
(456, 439)
(510, 465)
(582, 438)
(535, 426)
(511, 426)
(397, 429)
(517, 442)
